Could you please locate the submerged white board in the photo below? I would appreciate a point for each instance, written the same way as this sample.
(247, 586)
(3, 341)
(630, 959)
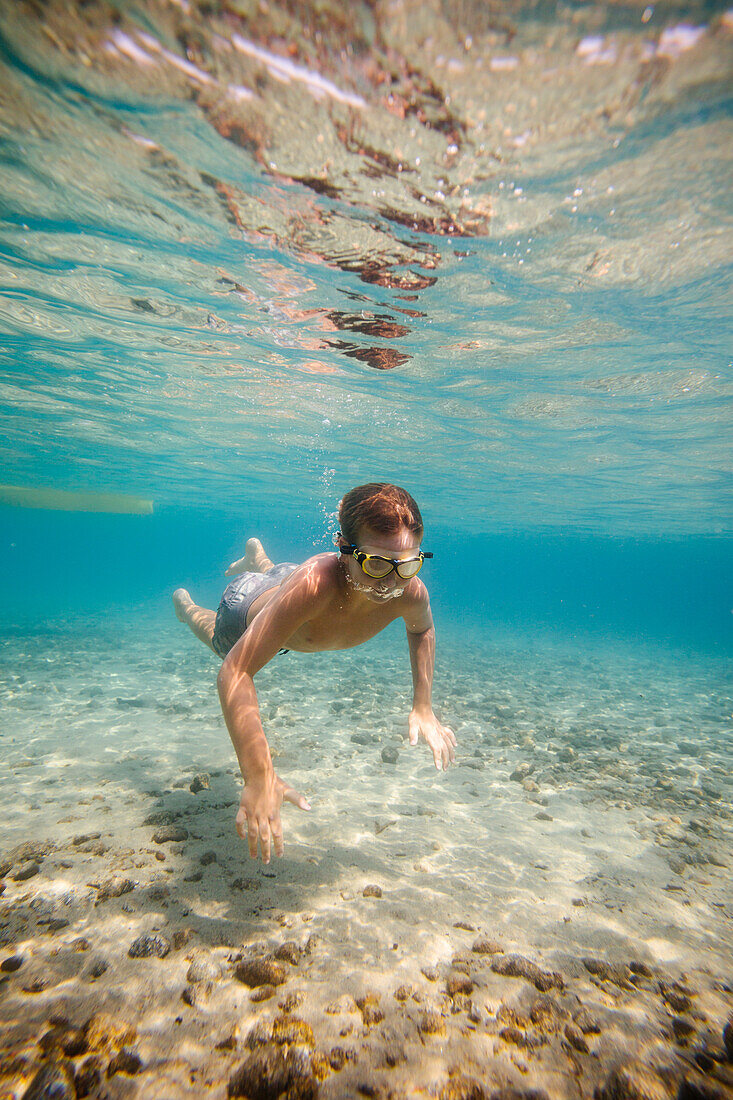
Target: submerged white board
(65, 500)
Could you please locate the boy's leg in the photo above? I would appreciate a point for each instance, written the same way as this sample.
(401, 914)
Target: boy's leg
(199, 619)
(255, 560)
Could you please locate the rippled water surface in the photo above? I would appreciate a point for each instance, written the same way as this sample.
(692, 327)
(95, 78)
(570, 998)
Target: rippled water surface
(482, 250)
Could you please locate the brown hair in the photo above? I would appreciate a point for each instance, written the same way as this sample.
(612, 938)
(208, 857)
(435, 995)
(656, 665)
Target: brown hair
(382, 507)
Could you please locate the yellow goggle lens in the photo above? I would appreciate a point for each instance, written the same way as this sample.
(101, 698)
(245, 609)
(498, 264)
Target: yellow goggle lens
(373, 567)
(378, 568)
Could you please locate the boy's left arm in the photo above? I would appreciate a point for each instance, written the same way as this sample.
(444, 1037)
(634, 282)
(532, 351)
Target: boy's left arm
(421, 639)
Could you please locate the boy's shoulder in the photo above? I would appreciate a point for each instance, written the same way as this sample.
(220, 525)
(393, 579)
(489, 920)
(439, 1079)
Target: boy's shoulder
(321, 571)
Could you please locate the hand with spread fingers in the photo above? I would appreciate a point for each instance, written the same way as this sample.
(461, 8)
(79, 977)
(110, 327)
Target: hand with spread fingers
(440, 739)
(258, 817)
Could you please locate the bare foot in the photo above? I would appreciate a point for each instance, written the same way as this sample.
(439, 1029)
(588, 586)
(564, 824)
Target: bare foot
(181, 602)
(255, 560)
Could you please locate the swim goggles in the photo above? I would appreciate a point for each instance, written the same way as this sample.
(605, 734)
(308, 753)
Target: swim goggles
(374, 565)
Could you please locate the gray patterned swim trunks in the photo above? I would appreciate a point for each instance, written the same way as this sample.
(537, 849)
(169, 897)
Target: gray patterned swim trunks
(231, 617)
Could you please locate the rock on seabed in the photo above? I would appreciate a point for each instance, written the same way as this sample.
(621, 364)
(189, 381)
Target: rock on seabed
(146, 945)
(54, 1081)
(634, 1081)
(517, 966)
(269, 1074)
(262, 971)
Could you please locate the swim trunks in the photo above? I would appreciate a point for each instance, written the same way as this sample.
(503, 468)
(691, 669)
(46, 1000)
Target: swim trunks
(231, 617)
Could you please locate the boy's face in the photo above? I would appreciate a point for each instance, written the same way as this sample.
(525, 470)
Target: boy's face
(403, 544)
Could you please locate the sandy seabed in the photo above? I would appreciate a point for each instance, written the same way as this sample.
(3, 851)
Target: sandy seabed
(549, 918)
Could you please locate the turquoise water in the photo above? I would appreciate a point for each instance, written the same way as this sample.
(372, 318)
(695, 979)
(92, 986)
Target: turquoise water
(252, 255)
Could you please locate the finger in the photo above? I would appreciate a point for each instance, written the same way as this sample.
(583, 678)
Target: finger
(252, 837)
(451, 735)
(277, 834)
(437, 758)
(414, 734)
(240, 822)
(291, 795)
(265, 840)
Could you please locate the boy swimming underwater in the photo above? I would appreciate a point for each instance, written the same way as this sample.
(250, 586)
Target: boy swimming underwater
(331, 601)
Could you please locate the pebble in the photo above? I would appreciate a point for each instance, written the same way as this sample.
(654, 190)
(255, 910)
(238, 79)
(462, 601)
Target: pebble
(577, 1040)
(104, 1032)
(634, 1081)
(201, 782)
(53, 1081)
(88, 1076)
(271, 1072)
(543, 816)
(515, 1036)
(372, 891)
(207, 857)
(728, 1038)
(63, 1038)
(464, 1088)
(262, 993)
(291, 1029)
(126, 1061)
(517, 966)
(587, 1022)
(683, 1028)
(431, 1023)
(114, 888)
(546, 1013)
(181, 937)
(11, 964)
(84, 838)
(29, 851)
(484, 946)
(162, 817)
(371, 1014)
(25, 871)
(170, 833)
(260, 971)
(147, 945)
(675, 998)
(608, 972)
(288, 952)
(390, 755)
(55, 924)
(458, 983)
(521, 772)
(203, 968)
(35, 985)
(96, 969)
(337, 1058)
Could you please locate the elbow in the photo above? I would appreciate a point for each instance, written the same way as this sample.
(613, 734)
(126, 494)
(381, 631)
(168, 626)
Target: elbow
(229, 679)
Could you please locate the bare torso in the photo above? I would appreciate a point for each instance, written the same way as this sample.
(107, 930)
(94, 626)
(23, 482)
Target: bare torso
(343, 619)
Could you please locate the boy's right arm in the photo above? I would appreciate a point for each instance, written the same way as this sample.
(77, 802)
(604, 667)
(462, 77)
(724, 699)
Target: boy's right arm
(264, 791)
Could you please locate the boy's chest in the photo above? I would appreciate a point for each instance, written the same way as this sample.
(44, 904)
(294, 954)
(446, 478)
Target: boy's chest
(334, 630)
